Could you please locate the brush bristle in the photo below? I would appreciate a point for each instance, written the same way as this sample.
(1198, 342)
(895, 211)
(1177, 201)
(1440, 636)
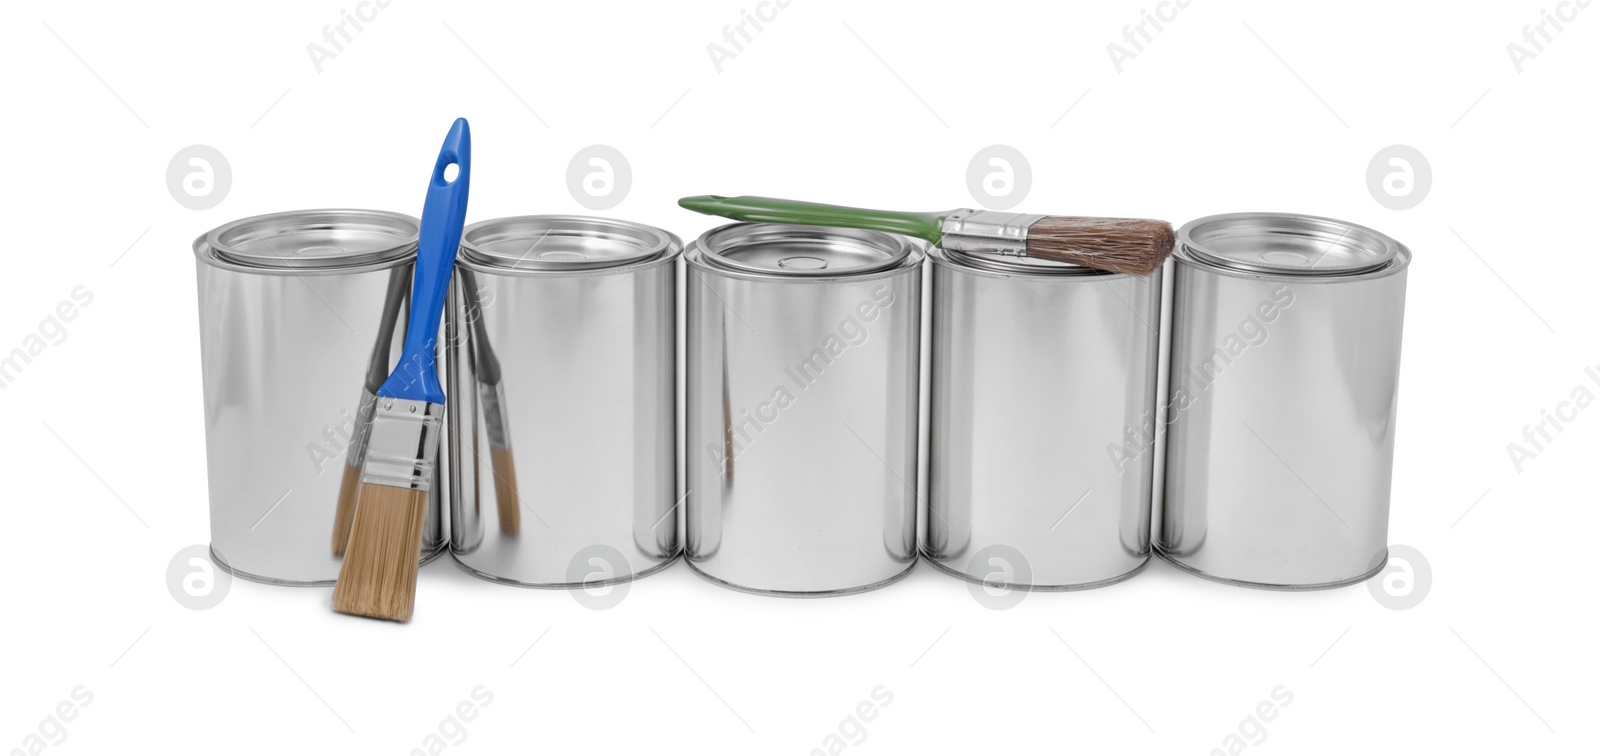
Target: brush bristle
(505, 490)
(1120, 245)
(345, 514)
(379, 575)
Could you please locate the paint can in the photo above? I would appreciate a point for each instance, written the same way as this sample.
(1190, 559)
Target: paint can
(802, 408)
(298, 311)
(562, 377)
(1283, 383)
(1042, 422)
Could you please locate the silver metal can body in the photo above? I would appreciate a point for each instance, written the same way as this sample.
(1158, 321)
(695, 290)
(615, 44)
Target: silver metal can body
(298, 312)
(802, 408)
(562, 340)
(1283, 381)
(1041, 421)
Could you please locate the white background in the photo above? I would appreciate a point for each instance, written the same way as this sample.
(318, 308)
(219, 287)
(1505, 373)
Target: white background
(1234, 106)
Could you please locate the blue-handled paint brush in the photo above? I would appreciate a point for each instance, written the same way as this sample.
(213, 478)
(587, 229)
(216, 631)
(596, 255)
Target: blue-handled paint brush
(379, 575)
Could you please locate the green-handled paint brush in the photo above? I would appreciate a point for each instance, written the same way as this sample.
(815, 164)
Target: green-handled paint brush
(379, 574)
(1119, 245)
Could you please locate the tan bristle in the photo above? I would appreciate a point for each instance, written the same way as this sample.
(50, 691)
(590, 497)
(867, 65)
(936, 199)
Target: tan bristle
(1119, 245)
(345, 513)
(379, 575)
(505, 490)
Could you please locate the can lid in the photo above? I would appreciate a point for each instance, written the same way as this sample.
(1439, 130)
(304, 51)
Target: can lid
(562, 242)
(316, 239)
(1286, 244)
(803, 251)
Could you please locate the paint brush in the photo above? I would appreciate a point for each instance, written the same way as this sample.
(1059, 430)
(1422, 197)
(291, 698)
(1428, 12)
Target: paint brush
(377, 370)
(1119, 245)
(379, 575)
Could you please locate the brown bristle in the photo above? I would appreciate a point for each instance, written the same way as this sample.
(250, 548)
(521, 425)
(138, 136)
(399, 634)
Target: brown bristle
(1119, 245)
(505, 490)
(379, 575)
(345, 513)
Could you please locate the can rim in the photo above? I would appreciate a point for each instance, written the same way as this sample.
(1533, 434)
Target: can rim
(712, 244)
(1373, 251)
(1016, 266)
(646, 243)
(225, 241)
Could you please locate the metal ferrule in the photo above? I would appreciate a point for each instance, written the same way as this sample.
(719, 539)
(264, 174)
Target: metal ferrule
(357, 450)
(494, 413)
(987, 231)
(402, 444)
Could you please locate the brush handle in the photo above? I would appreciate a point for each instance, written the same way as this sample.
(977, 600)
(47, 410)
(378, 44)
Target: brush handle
(443, 214)
(486, 365)
(769, 210)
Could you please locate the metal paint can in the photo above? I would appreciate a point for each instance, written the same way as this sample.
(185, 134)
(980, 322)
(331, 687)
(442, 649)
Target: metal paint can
(1041, 422)
(1283, 378)
(562, 374)
(802, 408)
(298, 311)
